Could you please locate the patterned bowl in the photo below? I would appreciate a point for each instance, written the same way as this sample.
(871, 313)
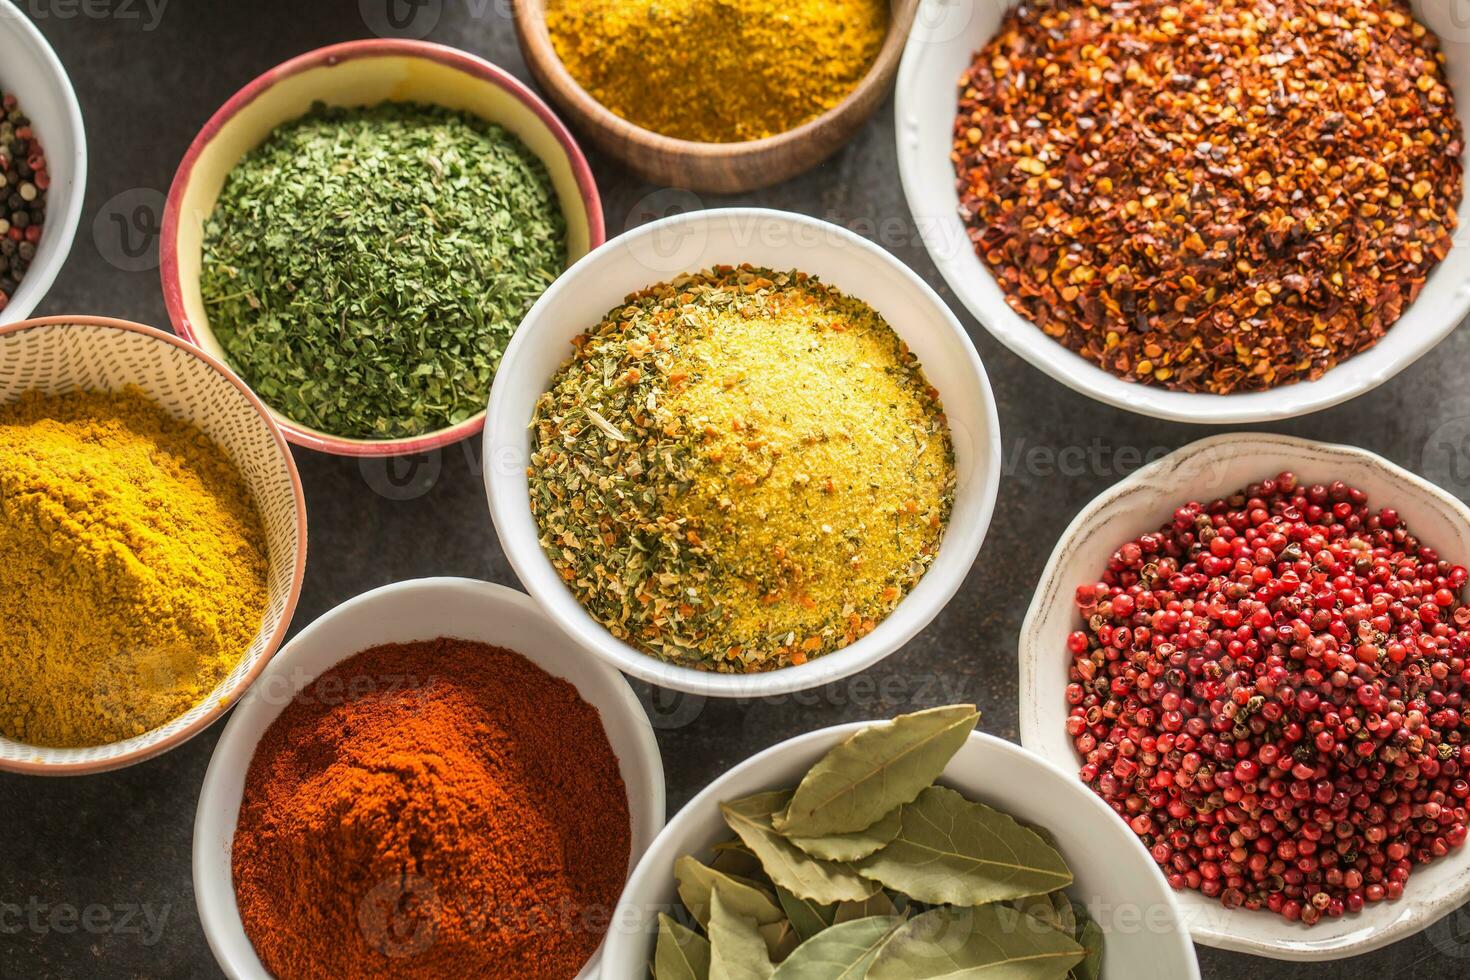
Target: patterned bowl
(59, 354)
(359, 73)
(1206, 470)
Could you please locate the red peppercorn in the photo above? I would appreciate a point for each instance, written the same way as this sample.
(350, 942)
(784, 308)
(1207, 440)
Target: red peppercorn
(1271, 690)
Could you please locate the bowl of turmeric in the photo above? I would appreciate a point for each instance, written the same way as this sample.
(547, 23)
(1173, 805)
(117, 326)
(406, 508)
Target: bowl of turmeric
(152, 542)
(715, 96)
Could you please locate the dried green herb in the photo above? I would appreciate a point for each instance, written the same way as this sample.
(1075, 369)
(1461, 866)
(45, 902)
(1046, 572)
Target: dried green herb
(876, 771)
(791, 868)
(959, 889)
(364, 269)
(991, 940)
(951, 851)
(737, 949)
(682, 954)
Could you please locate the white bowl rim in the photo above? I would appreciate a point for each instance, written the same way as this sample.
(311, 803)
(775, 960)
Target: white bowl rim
(960, 267)
(69, 207)
(534, 570)
(1421, 911)
(682, 824)
(212, 917)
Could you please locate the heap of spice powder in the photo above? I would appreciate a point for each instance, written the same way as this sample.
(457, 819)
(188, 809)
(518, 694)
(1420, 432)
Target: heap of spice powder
(1210, 195)
(365, 268)
(132, 568)
(433, 809)
(741, 470)
(718, 71)
(24, 179)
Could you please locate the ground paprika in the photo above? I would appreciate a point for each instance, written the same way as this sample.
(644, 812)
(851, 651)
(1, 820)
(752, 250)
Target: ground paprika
(441, 808)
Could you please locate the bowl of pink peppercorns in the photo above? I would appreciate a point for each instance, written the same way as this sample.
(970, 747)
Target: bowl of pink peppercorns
(1257, 651)
(43, 165)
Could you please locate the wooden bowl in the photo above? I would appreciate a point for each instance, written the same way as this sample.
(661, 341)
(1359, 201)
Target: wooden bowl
(720, 168)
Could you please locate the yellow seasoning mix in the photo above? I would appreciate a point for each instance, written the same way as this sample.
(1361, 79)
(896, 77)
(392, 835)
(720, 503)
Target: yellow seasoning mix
(741, 470)
(132, 568)
(718, 71)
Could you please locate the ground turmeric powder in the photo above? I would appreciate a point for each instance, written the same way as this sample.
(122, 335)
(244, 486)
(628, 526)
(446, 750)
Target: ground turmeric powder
(718, 71)
(132, 568)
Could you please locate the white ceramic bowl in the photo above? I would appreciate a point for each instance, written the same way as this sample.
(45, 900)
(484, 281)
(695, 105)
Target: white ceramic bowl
(945, 38)
(31, 71)
(1115, 877)
(661, 250)
(417, 610)
(60, 354)
(1204, 471)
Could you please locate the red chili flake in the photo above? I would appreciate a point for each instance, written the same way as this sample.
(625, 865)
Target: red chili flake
(1210, 195)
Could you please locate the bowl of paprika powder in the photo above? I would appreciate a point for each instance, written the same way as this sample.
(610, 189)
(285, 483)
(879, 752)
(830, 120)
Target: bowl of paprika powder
(429, 781)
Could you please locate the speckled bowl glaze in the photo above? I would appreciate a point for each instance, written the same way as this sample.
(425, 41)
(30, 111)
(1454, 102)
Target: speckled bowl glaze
(423, 609)
(1115, 877)
(359, 73)
(946, 35)
(30, 70)
(1204, 471)
(660, 251)
(55, 355)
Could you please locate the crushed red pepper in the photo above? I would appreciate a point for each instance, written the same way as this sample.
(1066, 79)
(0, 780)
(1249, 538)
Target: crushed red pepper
(1213, 195)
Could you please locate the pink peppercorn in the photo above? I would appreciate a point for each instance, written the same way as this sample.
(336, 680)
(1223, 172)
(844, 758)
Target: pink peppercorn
(1271, 689)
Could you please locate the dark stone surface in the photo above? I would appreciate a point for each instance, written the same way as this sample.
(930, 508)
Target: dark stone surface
(121, 841)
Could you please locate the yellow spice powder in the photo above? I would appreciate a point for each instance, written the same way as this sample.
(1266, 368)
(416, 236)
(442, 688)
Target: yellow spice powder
(741, 470)
(718, 71)
(132, 568)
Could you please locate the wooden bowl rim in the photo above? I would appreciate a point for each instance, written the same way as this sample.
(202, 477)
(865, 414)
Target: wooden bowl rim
(530, 20)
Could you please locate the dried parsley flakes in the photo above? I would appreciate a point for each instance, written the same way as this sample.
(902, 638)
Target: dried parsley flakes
(365, 268)
(741, 470)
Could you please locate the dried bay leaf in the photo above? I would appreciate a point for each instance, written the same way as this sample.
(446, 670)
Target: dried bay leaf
(875, 771)
(991, 942)
(841, 953)
(733, 858)
(681, 954)
(880, 904)
(1091, 938)
(781, 939)
(855, 846)
(697, 883)
(737, 948)
(807, 917)
(826, 882)
(954, 852)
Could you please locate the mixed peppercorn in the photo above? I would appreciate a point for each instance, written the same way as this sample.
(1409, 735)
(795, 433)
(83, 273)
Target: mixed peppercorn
(1210, 195)
(23, 182)
(1269, 690)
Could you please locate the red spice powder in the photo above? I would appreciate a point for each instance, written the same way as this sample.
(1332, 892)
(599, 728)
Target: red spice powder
(437, 809)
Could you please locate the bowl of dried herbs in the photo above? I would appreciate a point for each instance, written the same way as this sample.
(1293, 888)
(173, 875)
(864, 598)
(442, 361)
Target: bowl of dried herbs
(913, 848)
(741, 452)
(359, 232)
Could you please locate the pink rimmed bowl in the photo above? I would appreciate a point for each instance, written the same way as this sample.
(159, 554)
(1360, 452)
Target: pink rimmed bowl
(359, 73)
(59, 354)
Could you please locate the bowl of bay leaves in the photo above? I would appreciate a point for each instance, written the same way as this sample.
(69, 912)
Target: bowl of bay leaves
(902, 850)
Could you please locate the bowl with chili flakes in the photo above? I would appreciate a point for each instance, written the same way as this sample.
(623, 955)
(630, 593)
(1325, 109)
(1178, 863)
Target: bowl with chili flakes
(1248, 225)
